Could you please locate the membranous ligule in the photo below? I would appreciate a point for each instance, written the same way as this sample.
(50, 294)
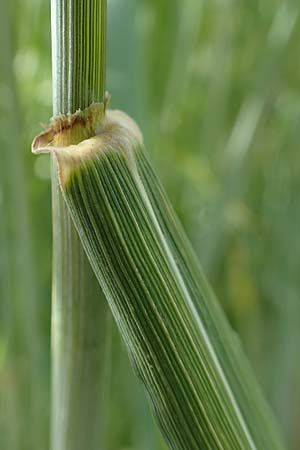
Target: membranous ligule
(75, 138)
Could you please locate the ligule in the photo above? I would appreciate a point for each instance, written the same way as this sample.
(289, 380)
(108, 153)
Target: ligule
(201, 389)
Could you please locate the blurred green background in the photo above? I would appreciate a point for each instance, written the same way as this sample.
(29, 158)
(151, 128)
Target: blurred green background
(215, 87)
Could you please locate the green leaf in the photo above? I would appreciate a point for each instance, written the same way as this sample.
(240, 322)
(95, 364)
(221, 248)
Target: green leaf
(202, 391)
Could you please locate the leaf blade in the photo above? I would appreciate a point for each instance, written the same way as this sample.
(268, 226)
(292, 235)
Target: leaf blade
(178, 339)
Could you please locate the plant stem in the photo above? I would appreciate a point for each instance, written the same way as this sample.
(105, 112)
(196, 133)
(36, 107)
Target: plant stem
(79, 316)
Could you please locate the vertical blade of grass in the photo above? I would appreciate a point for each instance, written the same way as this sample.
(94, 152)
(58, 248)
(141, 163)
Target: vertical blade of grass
(79, 312)
(201, 388)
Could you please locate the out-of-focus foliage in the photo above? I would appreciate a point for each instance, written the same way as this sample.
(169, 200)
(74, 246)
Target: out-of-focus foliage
(215, 88)
(222, 107)
(24, 287)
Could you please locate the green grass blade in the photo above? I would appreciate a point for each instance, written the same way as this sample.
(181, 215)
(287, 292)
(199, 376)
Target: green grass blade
(201, 389)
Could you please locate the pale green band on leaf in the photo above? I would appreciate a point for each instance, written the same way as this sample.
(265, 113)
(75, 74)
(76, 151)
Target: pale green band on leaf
(202, 391)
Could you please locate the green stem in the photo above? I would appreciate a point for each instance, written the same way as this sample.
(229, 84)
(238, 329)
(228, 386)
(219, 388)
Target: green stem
(78, 53)
(79, 316)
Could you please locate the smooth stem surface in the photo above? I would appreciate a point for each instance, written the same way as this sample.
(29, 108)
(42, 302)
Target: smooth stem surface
(79, 316)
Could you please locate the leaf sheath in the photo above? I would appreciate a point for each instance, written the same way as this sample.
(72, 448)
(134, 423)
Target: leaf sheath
(201, 388)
